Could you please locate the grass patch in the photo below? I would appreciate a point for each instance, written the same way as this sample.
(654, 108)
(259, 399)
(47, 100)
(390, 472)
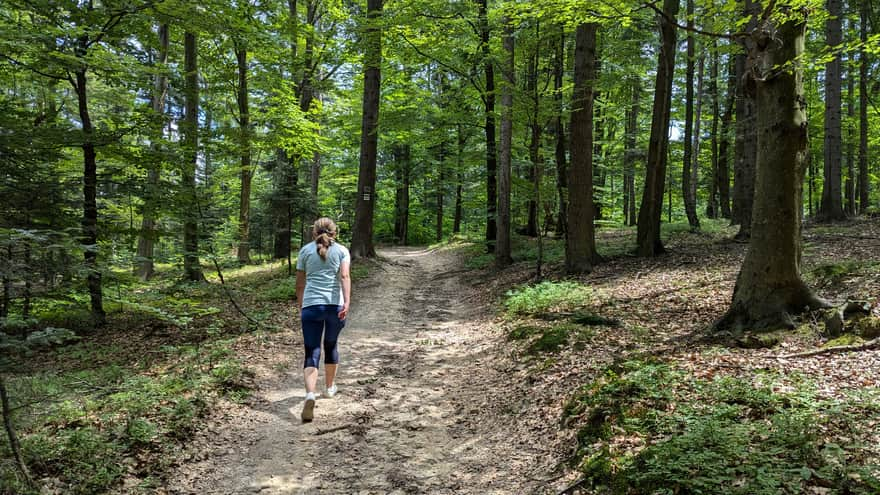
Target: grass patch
(646, 428)
(545, 297)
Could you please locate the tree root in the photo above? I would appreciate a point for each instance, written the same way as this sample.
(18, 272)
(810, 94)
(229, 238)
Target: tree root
(871, 344)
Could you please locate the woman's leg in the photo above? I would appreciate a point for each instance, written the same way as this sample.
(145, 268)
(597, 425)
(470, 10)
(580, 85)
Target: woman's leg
(332, 329)
(312, 328)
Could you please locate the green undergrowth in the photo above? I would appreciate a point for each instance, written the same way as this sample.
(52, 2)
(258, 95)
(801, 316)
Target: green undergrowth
(546, 297)
(116, 413)
(644, 427)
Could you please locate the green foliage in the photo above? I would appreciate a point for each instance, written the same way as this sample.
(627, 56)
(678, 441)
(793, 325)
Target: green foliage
(545, 297)
(721, 436)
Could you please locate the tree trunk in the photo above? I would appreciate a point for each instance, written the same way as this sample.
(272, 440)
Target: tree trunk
(631, 153)
(863, 185)
(745, 141)
(502, 246)
(459, 180)
(559, 134)
(532, 228)
(580, 243)
(401, 196)
(831, 207)
(90, 198)
(648, 234)
(688, 186)
(769, 288)
(147, 235)
(7, 284)
(849, 186)
(439, 192)
(362, 235)
(491, 154)
(723, 175)
(14, 446)
(695, 157)
(191, 268)
(712, 203)
(246, 173)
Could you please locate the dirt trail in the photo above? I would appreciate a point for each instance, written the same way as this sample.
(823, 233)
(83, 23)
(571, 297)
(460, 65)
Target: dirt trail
(412, 414)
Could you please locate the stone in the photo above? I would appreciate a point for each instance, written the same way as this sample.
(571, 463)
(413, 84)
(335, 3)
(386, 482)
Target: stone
(833, 319)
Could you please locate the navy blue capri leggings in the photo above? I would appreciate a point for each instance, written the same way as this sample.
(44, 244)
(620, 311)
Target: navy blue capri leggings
(321, 319)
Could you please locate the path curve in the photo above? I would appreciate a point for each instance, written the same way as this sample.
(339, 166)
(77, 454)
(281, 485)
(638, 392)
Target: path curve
(411, 412)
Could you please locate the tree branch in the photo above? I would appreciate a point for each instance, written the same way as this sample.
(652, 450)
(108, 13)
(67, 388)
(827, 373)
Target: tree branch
(871, 344)
(674, 22)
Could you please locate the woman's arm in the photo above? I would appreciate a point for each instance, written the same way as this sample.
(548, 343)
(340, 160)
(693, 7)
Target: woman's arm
(345, 278)
(300, 288)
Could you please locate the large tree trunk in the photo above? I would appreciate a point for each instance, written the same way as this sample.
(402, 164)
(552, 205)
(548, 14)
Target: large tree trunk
(863, 185)
(831, 207)
(90, 199)
(745, 141)
(192, 270)
(631, 153)
(688, 186)
(362, 235)
(648, 234)
(489, 103)
(147, 235)
(246, 173)
(402, 167)
(580, 243)
(559, 134)
(502, 246)
(769, 288)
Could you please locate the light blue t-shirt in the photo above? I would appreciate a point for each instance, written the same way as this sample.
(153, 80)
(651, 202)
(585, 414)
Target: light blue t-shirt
(323, 285)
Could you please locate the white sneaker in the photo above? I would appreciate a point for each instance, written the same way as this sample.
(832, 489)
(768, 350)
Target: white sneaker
(330, 392)
(308, 412)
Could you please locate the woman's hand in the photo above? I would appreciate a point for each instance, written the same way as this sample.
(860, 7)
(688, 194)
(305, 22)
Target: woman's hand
(343, 312)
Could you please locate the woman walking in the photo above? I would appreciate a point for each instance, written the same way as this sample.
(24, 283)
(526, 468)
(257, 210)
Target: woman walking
(323, 295)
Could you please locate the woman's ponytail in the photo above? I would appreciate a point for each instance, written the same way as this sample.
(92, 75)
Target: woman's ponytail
(324, 234)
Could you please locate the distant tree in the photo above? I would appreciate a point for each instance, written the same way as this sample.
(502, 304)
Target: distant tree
(863, 185)
(192, 270)
(745, 140)
(508, 68)
(688, 170)
(831, 207)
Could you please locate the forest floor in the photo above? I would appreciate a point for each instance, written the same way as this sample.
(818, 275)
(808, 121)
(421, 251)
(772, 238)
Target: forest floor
(458, 377)
(412, 412)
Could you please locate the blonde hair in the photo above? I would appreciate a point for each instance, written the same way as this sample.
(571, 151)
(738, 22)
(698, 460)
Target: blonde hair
(324, 234)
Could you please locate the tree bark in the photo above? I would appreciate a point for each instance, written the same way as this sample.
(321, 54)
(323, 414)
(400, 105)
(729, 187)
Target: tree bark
(863, 184)
(192, 270)
(723, 171)
(459, 180)
(580, 243)
(90, 196)
(648, 230)
(559, 134)
(491, 153)
(688, 186)
(362, 235)
(532, 227)
(401, 196)
(849, 186)
(745, 141)
(769, 289)
(246, 173)
(147, 235)
(439, 191)
(631, 154)
(502, 245)
(712, 203)
(831, 207)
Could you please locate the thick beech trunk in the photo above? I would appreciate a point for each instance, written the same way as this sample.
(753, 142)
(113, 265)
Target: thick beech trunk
(502, 245)
(831, 207)
(362, 235)
(192, 270)
(745, 142)
(147, 235)
(648, 234)
(580, 243)
(769, 289)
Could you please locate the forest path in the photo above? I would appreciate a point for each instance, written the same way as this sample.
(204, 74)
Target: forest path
(411, 414)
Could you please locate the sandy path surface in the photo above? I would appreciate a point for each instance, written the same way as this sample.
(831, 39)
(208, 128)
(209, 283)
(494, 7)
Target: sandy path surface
(412, 414)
